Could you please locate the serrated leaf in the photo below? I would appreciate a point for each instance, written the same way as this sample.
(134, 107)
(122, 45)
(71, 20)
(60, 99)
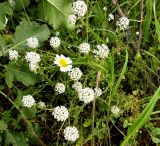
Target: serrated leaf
(3, 125)
(55, 11)
(21, 73)
(30, 29)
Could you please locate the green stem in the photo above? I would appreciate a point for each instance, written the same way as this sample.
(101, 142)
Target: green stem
(27, 122)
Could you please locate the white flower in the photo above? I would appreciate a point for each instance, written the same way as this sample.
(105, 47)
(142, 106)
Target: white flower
(105, 8)
(41, 105)
(32, 57)
(137, 33)
(33, 67)
(28, 101)
(110, 17)
(60, 88)
(123, 23)
(75, 74)
(77, 86)
(79, 8)
(72, 19)
(86, 95)
(55, 42)
(71, 133)
(97, 92)
(13, 54)
(102, 51)
(65, 63)
(60, 113)
(32, 42)
(84, 48)
(115, 109)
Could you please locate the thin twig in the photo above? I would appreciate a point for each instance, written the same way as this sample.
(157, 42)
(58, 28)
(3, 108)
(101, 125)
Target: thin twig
(141, 25)
(93, 112)
(119, 9)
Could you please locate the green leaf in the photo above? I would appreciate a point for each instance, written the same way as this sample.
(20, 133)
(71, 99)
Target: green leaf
(21, 4)
(55, 11)
(29, 29)
(142, 118)
(3, 125)
(21, 73)
(155, 131)
(5, 9)
(87, 123)
(16, 139)
(155, 139)
(28, 112)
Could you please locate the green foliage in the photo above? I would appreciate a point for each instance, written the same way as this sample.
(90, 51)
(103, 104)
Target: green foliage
(143, 117)
(55, 12)
(128, 77)
(16, 72)
(21, 4)
(29, 29)
(5, 9)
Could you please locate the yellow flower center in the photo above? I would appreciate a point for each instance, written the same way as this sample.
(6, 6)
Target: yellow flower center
(63, 62)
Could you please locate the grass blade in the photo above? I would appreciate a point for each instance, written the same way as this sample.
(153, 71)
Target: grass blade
(143, 117)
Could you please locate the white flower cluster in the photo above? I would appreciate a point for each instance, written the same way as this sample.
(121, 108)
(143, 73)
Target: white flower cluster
(33, 59)
(60, 113)
(55, 42)
(32, 42)
(79, 8)
(110, 17)
(60, 88)
(123, 23)
(115, 109)
(86, 95)
(75, 74)
(97, 92)
(102, 51)
(65, 63)
(72, 19)
(71, 133)
(84, 48)
(41, 105)
(28, 101)
(13, 54)
(77, 86)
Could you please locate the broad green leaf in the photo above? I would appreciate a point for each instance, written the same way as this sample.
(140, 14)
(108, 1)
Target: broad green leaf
(5, 9)
(21, 73)
(29, 29)
(3, 125)
(55, 11)
(143, 117)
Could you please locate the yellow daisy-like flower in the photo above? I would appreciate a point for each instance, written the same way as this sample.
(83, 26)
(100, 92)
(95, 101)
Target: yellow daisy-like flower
(65, 63)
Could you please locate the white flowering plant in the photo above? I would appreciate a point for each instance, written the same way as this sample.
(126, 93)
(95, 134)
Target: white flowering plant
(75, 72)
